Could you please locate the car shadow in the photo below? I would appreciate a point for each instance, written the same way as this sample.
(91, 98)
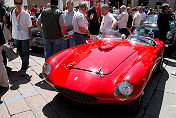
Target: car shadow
(37, 51)
(154, 93)
(44, 85)
(67, 108)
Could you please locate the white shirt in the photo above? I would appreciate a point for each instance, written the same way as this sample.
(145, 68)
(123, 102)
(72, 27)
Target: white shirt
(143, 16)
(137, 17)
(24, 22)
(122, 19)
(106, 23)
(68, 17)
(79, 20)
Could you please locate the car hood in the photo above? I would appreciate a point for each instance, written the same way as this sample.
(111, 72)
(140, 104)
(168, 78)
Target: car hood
(97, 57)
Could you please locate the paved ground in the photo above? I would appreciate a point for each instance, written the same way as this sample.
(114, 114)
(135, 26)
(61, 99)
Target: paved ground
(32, 97)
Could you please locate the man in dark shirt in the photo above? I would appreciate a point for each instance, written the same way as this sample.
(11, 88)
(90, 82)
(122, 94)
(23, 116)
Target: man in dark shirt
(164, 19)
(94, 19)
(53, 27)
(130, 17)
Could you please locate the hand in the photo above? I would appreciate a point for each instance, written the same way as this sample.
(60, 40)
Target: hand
(66, 32)
(91, 16)
(30, 41)
(10, 35)
(88, 34)
(11, 43)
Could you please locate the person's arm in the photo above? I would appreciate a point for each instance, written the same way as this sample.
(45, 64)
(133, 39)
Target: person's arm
(63, 30)
(62, 24)
(114, 21)
(29, 26)
(69, 28)
(82, 25)
(5, 20)
(30, 36)
(114, 24)
(38, 23)
(84, 30)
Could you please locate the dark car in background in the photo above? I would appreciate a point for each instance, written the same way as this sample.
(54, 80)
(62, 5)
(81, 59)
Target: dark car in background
(150, 28)
(37, 35)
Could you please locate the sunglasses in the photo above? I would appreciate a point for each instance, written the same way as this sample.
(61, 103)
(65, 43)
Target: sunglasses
(18, 3)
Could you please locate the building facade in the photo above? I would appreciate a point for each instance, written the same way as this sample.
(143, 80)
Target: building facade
(115, 3)
(156, 4)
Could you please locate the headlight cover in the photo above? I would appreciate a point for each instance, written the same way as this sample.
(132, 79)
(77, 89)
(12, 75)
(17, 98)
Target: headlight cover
(46, 70)
(123, 90)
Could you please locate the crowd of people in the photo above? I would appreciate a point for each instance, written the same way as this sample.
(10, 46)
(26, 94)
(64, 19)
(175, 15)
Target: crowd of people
(81, 24)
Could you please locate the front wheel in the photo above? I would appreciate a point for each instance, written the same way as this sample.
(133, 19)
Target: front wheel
(134, 107)
(159, 67)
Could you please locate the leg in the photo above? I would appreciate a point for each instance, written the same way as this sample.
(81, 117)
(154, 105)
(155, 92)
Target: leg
(4, 57)
(47, 48)
(66, 44)
(79, 39)
(71, 42)
(25, 54)
(58, 45)
(18, 44)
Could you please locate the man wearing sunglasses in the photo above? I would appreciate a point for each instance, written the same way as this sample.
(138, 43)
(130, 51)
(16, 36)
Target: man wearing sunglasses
(21, 32)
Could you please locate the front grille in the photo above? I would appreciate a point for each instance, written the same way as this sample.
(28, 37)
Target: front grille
(82, 97)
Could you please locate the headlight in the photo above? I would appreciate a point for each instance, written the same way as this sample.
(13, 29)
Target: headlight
(46, 70)
(123, 90)
(169, 35)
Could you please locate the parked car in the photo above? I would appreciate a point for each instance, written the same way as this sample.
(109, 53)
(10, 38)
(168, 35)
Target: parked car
(37, 35)
(110, 70)
(150, 28)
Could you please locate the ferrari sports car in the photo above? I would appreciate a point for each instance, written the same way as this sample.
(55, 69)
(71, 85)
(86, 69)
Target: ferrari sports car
(111, 70)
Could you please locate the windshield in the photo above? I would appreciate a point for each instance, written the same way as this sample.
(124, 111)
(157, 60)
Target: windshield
(151, 19)
(111, 34)
(142, 40)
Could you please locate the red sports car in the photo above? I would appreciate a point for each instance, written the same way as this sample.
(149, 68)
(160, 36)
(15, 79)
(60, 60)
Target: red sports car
(110, 70)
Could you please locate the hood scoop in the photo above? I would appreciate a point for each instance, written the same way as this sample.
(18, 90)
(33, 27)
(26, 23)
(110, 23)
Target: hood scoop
(107, 47)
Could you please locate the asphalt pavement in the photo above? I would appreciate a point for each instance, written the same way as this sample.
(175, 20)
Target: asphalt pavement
(32, 97)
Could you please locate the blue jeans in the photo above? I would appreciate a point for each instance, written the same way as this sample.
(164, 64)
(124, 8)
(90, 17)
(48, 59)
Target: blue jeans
(52, 46)
(69, 43)
(23, 50)
(79, 38)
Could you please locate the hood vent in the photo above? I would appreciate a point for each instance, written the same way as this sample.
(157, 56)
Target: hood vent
(107, 47)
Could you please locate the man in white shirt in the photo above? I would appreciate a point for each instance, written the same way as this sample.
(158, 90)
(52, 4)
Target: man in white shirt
(68, 17)
(21, 32)
(80, 24)
(108, 21)
(143, 14)
(136, 19)
(122, 20)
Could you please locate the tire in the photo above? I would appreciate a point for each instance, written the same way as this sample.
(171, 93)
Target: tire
(159, 67)
(134, 107)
